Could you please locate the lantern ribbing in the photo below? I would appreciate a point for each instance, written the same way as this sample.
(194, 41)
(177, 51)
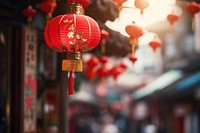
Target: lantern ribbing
(72, 34)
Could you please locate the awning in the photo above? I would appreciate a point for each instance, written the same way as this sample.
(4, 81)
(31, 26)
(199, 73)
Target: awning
(189, 82)
(161, 82)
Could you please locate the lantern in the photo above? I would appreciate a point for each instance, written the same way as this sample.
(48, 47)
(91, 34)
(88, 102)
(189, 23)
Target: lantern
(91, 67)
(116, 71)
(72, 34)
(91, 73)
(172, 18)
(141, 4)
(119, 3)
(132, 58)
(123, 66)
(103, 71)
(103, 59)
(84, 3)
(29, 12)
(92, 62)
(104, 36)
(155, 44)
(48, 7)
(134, 32)
(192, 8)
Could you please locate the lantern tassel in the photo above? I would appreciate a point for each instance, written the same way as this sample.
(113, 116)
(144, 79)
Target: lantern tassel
(71, 83)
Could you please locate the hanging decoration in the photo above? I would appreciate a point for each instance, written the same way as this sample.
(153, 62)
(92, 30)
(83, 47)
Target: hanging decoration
(104, 68)
(91, 67)
(102, 73)
(155, 44)
(116, 71)
(134, 31)
(141, 4)
(48, 7)
(104, 36)
(29, 12)
(119, 4)
(72, 34)
(192, 8)
(84, 3)
(172, 18)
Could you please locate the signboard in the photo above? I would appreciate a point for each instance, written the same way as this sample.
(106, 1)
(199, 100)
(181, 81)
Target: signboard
(29, 70)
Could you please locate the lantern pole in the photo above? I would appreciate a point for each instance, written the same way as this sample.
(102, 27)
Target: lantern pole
(63, 106)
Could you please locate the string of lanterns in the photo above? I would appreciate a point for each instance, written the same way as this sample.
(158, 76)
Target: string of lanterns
(75, 33)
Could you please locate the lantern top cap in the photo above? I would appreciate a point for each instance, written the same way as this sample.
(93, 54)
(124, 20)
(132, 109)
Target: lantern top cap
(75, 8)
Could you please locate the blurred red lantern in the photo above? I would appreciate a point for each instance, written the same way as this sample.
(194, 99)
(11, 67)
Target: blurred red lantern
(72, 34)
(123, 66)
(192, 8)
(155, 44)
(84, 3)
(103, 71)
(91, 73)
(134, 31)
(104, 36)
(141, 4)
(91, 67)
(116, 71)
(132, 58)
(119, 3)
(172, 18)
(103, 59)
(48, 7)
(29, 12)
(92, 62)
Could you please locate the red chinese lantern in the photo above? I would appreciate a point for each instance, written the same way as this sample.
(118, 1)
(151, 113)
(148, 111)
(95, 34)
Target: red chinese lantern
(134, 31)
(116, 71)
(103, 71)
(91, 73)
(48, 7)
(104, 36)
(132, 58)
(29, 12)
(141, 4)
(84, 3)
(92, 62)
(172, 18)
(124, 66)
(155, 44)
(103, 59)
(119, 3)
(91, 67)
(72, 34)
(192, 8)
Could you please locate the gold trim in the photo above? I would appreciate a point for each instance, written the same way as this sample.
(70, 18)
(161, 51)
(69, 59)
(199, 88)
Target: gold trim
(74, 9)
(72, 65)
